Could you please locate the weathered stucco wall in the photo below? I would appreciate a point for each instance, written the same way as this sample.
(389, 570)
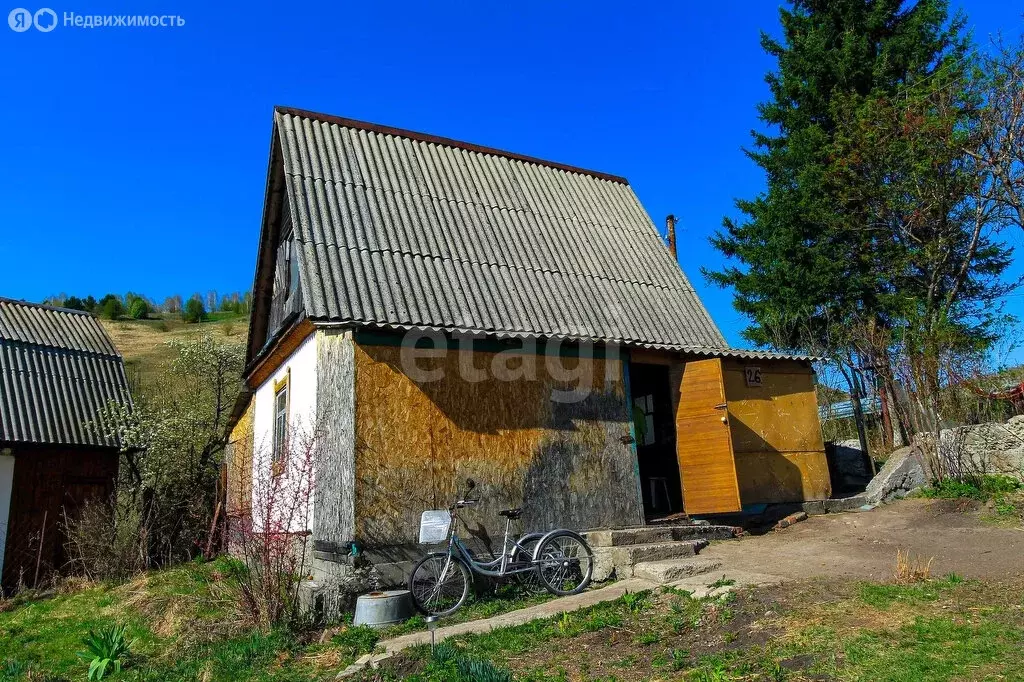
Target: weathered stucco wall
(293, 483)
(417, 441)
(776, 433)
(239, 464)
(334, 496)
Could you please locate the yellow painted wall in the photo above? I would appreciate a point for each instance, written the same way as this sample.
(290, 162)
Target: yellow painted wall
(416, 443)
(239, 464)
(776, 433)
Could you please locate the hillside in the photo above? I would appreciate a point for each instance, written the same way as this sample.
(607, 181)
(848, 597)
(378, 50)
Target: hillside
(143, 342)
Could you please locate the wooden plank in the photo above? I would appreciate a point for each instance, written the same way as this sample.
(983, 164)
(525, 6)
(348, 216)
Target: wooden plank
(703, 441)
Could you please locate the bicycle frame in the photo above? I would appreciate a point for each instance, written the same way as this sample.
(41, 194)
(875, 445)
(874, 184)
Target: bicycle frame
(501, 566)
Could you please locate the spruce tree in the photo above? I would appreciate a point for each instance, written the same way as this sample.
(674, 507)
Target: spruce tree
(802, 268)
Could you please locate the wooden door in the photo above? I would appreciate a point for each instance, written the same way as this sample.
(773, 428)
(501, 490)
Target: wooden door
(707, 466)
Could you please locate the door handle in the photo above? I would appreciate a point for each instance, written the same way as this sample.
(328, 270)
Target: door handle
(721, 406)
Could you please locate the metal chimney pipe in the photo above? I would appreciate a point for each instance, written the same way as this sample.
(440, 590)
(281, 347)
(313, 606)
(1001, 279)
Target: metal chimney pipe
(670, 228)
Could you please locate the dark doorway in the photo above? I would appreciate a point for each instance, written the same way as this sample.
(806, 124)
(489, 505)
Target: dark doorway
(655, 429)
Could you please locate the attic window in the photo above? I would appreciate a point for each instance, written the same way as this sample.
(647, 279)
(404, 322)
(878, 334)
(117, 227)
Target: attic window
(291, 269)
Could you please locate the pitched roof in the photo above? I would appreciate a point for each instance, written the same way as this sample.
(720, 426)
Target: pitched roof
(403, 230)
(58, 369)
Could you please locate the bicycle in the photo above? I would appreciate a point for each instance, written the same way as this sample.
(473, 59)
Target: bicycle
(560, 560)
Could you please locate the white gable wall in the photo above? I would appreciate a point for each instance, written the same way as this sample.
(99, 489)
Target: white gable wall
(289, 495)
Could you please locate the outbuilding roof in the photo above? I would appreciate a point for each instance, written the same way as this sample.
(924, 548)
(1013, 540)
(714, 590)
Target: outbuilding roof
(58, 370)
(397, 229)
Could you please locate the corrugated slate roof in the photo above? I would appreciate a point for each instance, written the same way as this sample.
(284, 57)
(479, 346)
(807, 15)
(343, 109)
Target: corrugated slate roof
(58, 369)
(397, 229)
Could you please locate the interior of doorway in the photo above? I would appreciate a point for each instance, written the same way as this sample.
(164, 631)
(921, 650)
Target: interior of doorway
(655, 430)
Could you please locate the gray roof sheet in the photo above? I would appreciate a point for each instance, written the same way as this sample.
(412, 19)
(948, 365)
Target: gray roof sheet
(401, 230)
(58, 369)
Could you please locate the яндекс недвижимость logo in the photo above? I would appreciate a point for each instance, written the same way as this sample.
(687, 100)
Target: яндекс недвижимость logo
(45, 20)
(21, 19)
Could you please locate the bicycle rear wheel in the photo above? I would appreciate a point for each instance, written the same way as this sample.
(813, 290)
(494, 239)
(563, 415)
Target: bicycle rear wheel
(529, 580)
(565, 563)
(439, 584)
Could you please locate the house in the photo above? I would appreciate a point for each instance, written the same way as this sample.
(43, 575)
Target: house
(433, 310)
(58, 370)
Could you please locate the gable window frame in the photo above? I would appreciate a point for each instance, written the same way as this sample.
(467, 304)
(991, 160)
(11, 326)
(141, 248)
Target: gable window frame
(282, 415)
(291, 270)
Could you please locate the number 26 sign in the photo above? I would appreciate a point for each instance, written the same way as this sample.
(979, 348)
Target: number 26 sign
(752, 375)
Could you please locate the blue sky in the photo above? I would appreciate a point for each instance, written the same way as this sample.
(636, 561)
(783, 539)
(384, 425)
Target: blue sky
(135, 158)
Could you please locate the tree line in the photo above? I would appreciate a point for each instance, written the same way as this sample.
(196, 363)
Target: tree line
(893, 153)
(135, 306)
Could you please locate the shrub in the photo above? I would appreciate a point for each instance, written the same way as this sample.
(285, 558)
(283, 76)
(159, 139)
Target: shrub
(104, 542)
(105, 650)
(138, 309)
(194, 311)
(111, 307)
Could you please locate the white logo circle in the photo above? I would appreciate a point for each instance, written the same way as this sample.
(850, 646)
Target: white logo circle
(48, 22)
(19, 20)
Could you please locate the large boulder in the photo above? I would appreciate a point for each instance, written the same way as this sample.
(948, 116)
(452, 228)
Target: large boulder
(903, 472)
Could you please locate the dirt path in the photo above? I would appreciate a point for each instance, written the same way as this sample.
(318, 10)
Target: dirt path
(864, 544)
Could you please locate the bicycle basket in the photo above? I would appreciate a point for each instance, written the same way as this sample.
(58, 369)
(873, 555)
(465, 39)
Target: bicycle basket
(434, 526)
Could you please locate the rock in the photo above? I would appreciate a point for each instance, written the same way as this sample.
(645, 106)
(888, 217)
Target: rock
(902, 473)
(986, 448)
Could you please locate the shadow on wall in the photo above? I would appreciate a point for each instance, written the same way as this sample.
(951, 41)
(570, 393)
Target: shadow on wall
(764, 473)
(416, 443)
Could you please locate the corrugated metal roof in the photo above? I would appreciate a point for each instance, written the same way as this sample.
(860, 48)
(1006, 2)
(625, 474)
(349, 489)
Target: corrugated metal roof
(400, 229)
(58, 369)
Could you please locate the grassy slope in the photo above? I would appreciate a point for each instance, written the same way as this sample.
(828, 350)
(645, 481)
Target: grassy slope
(143, 342)
(184, 625)
(186, 628)
(940, 630)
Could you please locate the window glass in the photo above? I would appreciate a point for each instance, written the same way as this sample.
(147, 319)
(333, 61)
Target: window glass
(280, 423)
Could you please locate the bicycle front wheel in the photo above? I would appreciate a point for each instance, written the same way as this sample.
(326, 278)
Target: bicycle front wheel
(565, 563)
(439, 584)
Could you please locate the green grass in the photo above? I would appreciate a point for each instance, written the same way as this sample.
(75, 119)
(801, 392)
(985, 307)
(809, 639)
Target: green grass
(981, 488)
(1004, 495)
(186, 627)
(947, 629)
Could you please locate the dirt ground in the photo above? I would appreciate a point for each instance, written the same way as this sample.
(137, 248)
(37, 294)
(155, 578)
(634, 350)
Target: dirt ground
(864, 544)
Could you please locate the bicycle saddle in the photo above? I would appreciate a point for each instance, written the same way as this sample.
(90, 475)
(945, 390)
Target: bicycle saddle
(512, 514)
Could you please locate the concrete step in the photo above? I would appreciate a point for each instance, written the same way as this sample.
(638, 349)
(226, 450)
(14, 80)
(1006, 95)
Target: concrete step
(670, 570)
(622, 559)
(618, 537)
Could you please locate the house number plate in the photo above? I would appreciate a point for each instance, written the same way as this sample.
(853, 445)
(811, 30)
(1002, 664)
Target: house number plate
(753, 375)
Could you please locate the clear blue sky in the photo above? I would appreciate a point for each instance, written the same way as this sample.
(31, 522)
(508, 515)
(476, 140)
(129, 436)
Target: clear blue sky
(135, 158)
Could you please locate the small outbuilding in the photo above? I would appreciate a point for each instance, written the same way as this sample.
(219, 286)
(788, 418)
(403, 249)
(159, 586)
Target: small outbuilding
(433, 310)
(58, 370)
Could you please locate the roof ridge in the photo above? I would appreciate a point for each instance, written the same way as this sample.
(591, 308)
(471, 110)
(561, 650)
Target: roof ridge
(443, 141)
(30, 304)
